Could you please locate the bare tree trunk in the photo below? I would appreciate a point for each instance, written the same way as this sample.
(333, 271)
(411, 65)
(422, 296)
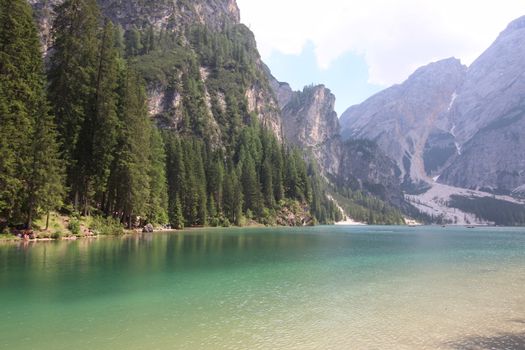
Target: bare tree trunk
(76, 200)
(30, 217)
(47, 220)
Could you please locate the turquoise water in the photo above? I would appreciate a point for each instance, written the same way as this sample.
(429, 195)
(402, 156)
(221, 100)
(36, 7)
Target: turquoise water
(301, 288)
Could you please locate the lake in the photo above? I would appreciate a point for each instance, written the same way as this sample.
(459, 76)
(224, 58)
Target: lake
(323, 287)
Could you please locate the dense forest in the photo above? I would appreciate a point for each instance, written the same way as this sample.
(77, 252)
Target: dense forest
(491, 209)
(76, 137)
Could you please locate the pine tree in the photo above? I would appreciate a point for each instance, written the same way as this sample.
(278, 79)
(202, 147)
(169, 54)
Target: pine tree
(238, 200)
(158, 201)
(176, 176)
(291, 178)
(131, 167)
(133, 41)
(45, 184)
(250, 185)
(277, 173)
(30, 172)
(17, 78)
(176, 217)
(214, 179)
(201, 185)
(267, 184)
(99, 131)
(232, 202)
(72, 76)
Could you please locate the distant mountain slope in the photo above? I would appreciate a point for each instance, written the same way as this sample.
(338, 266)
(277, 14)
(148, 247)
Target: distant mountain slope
(403, 118)
(489, 117)
(461, 126)
(310, 122)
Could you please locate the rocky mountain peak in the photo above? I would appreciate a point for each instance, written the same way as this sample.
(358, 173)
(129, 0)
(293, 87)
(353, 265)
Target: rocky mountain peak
(311, 117)
(437, 72)
(517, 24)
(459, 126)
(310, 121)
(402, 118)
(175, 14)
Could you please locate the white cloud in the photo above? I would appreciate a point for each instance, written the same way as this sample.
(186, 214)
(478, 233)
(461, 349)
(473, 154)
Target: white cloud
(395, 37)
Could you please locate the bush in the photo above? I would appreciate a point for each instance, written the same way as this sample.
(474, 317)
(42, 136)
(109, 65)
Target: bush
(268, 217)
(74, 226)
(106, 226)
(56, 235)
(215, 222)
(226, 222)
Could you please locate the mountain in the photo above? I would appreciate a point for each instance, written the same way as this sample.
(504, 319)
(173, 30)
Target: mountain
(409, 121)
(462, 126)
(310, 122)
(166, 115)
(157, 13)
(216, 22)
(488, 118)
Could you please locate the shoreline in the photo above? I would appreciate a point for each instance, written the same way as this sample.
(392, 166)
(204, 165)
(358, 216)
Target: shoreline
(14, 239)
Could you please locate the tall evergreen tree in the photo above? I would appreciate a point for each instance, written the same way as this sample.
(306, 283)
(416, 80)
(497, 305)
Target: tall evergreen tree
(157, 211)
(267, 183)
(72, 76)
(130, 175)
(232, 202)
(99, 130)
(176, 176)
(250, 185)
(30, 173)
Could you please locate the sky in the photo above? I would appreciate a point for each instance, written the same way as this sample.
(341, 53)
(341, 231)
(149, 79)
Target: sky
(359, 47)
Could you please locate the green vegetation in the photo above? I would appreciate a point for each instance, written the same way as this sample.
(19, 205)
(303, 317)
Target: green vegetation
(365, 208)
(491, 209)
(106, 226)
(94, 153)
(30, 169)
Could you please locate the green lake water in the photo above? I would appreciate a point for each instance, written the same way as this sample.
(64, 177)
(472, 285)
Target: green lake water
(272, 288)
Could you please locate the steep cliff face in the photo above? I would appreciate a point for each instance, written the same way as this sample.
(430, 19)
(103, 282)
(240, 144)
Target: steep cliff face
(309, 121)
(173, 14)
(488, 117)
(463, 127)
(163, 70)
(409, 120)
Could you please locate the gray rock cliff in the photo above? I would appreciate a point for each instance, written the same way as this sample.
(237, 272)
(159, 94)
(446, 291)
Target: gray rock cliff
(488, 117)
(309, 121)
(461, 126)
(402, 119)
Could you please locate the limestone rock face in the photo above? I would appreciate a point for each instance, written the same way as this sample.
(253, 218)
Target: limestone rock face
(401, 119)
(489, 117)
(462, 127)
(159, 13)
(310, 122)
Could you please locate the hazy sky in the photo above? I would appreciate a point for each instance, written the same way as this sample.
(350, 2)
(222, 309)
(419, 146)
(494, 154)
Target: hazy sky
(358, 47)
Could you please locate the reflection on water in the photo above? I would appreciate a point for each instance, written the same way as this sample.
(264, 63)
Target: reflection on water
(322, 287)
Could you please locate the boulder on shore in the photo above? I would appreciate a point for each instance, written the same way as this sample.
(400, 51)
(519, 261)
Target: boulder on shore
(148, 228)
